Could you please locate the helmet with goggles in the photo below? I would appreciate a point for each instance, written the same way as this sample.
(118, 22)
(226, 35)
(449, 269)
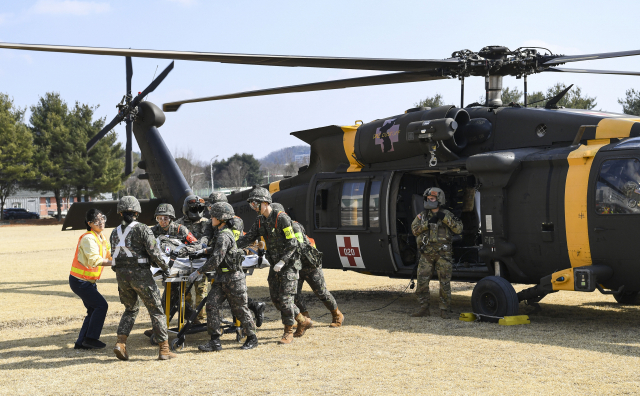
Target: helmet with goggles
(193, 207)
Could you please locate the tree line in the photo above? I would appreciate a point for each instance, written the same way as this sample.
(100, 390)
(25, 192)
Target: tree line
(574, 99)
(49, 152)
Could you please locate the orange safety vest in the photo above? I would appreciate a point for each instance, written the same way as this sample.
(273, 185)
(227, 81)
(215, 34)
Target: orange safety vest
(79, 270)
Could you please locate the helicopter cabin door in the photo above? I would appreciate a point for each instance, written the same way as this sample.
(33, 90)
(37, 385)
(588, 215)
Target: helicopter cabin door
(348, 221)
(614, 215)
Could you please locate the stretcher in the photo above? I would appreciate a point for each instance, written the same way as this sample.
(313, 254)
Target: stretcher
(181, 268)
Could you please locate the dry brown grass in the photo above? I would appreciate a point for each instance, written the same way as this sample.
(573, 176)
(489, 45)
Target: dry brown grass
(578, 344)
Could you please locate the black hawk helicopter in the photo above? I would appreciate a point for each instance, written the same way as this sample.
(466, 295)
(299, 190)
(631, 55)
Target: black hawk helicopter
(548, 196)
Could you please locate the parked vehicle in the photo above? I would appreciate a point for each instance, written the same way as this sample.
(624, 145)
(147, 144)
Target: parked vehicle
(54, 213)
(19, 213)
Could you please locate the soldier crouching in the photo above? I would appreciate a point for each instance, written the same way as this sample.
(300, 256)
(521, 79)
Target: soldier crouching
(133, 247)
(434, 228)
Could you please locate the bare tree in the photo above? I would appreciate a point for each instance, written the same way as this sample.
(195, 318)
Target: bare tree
(235, 174)
(192, 168)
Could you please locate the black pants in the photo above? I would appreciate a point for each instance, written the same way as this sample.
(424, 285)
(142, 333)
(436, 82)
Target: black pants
(96, 308)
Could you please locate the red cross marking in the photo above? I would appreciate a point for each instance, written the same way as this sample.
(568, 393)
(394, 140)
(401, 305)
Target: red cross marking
(349, 252)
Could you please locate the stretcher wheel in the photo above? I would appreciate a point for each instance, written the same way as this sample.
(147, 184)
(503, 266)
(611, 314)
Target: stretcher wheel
(176, 345)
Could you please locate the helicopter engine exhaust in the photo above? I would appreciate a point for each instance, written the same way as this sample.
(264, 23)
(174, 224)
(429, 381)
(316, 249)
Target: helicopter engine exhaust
(400, 137)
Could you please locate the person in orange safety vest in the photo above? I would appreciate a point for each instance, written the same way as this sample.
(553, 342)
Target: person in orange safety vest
(92, 254)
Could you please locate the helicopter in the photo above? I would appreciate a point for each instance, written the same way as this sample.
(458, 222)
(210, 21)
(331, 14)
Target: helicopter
(548, 196)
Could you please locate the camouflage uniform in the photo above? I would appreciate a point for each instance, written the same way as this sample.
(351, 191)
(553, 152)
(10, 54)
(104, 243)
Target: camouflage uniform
(229, 284)
(135, 280)
(281, 245)
(434, 243)
(312, 274)
(169, 239)
(197, 229)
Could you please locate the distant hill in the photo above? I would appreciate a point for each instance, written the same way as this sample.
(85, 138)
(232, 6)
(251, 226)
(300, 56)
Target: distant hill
(283, 155)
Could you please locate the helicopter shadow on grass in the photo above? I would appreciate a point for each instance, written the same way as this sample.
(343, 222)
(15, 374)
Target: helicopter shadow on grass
(566, 326)
(36, 288)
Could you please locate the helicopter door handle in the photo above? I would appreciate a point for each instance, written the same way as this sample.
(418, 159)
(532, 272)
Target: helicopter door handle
(598, 229)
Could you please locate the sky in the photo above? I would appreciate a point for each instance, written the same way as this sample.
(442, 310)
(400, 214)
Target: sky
(377, 29)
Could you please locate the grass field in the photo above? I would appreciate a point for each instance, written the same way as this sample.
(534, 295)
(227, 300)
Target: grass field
(579, 344)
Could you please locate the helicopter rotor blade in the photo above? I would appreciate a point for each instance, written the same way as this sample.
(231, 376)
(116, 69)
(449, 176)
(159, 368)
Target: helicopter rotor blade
(578, 58)
(593, 71)
(104, 131)
(154, 84)
(128, 160)
(382, 79)
(381, 64)
(129, 74)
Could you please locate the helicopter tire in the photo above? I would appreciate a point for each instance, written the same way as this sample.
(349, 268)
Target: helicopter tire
(493, 298)
(627, 298)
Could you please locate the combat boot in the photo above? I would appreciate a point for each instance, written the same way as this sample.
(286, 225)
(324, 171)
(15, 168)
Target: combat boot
(165, 353)
(338, 318)
(305, 313)
(250, 343)
(445, 314)
(424, 311)
(214, 344)
(287, 337)
(304, 323)
(121, 347)
(258, 310)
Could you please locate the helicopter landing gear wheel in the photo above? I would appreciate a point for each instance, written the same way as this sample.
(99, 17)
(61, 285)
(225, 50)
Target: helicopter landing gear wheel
(176, 344)
(494, 297)
(627, 298)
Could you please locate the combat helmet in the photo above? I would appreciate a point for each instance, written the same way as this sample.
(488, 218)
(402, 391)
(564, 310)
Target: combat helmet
(222, 211)
(436, 192)
(259, 194)
(277, 207)
(128, 204)
(216, 197)
(193, 207)
(165, 209)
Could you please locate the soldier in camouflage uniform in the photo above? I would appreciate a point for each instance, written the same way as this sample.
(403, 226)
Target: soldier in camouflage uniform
(236, 225)
(174, 234)
(229, 282)
(433, 229)
(193, 210)
(311, 272)
(132, 248)
(282, 252)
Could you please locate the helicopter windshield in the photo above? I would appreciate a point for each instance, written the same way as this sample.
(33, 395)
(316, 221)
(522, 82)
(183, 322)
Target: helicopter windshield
(618, 187)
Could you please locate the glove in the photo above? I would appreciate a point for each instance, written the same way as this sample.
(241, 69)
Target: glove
(440, 215)
(194, 276)
(165, 274)
(278, 266)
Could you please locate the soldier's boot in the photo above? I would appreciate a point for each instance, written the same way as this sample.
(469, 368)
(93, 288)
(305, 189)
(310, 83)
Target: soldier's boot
(338, 318)
(148, 333)
(445, 314)
(212, 345)
(250, 343)
(287, 337)
(258, 310)
(164, 352)
(304, 323)
(121, 347)
(305, 313)
(424, 311)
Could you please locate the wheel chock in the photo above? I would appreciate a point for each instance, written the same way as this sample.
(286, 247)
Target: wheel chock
(514, 320)
(468, 317)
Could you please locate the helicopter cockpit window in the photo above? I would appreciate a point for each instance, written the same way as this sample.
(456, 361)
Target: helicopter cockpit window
(618, 187)
(327, 204)
(352, 204)
(374, 204)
